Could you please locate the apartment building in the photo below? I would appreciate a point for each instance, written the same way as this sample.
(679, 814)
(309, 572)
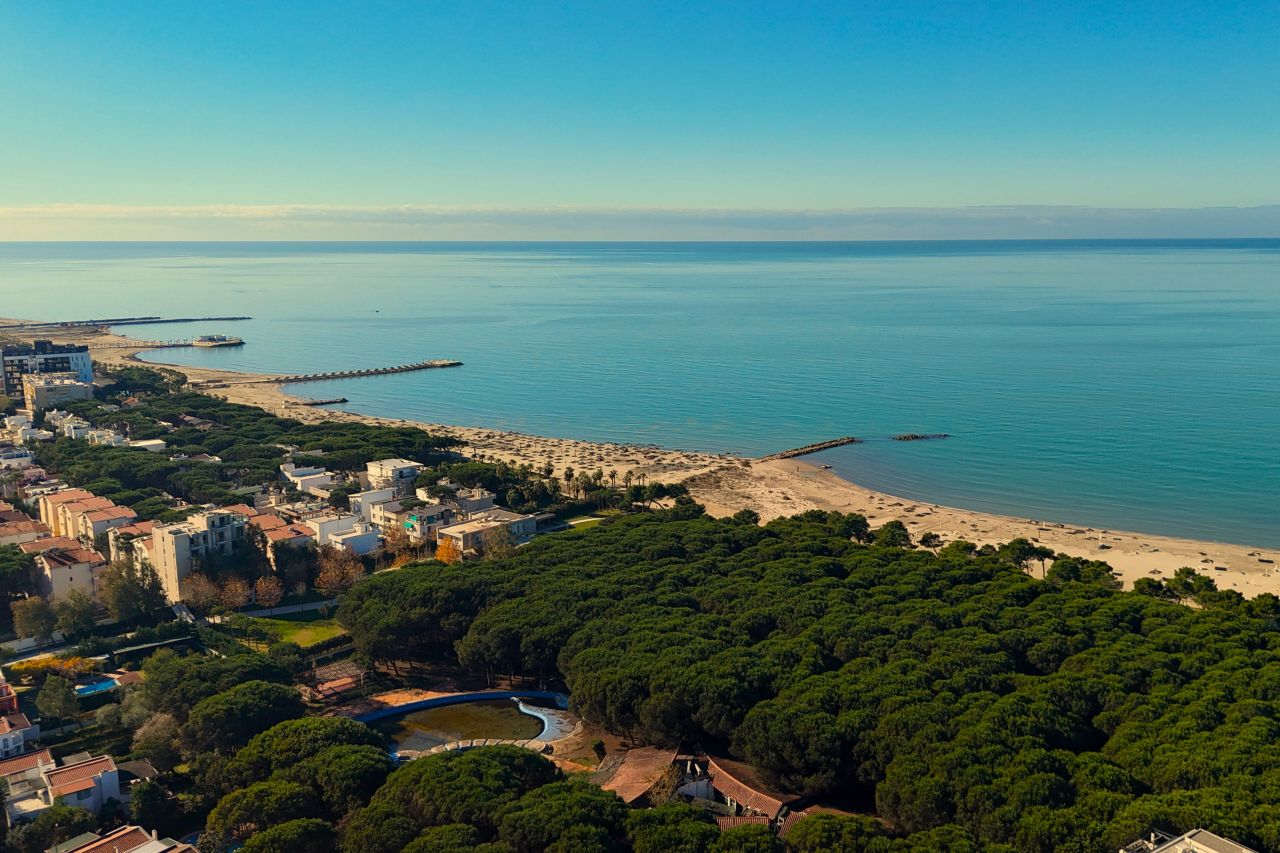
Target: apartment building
(60, 570)
(126, 839)
(176, 549)
(397, 474)
(20, 360)
(309, 481)
(42, 391)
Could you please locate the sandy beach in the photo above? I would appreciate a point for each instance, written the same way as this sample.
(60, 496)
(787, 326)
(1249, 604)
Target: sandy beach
(726, 484)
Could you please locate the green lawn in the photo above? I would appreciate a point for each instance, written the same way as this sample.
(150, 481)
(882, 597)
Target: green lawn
(582, 522)
(305, 629)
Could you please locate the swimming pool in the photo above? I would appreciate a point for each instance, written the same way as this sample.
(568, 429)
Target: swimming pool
(98, 685)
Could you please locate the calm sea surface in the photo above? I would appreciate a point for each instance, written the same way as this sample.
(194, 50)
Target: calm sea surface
(1124, 384)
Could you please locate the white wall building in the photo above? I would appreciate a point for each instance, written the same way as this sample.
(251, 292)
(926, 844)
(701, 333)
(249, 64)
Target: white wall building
(362, 503)
(41, 391)
(361, 540)
(326, 526)
(307, 480)
(398, 474)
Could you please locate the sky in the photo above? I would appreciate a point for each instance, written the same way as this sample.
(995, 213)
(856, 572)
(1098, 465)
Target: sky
(637, 120)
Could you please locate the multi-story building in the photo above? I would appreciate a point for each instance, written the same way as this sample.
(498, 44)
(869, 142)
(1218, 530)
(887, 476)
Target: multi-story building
(398, 474)
(41, 391)
(470, 501)
(309, 481)
(16, 731)
(47, 505)
(16, 457)
(177, 548)
(60, 570)
(43, 357)
(331, 524)
(362, 503)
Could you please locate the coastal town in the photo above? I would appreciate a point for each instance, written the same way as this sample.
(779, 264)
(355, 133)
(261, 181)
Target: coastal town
(110, 576)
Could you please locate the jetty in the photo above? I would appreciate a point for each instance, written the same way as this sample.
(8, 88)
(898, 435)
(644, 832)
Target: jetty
(204, 341)
(434, 364)
(119, 321)
(812, 448)
(327, 402)
(915, 436)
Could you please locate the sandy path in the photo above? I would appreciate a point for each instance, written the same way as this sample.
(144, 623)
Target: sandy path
(726, 484)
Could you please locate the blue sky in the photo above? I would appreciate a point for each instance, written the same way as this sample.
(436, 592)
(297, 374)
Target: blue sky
(181, 118)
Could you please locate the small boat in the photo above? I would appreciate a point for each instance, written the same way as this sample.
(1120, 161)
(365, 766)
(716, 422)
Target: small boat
(826, 467)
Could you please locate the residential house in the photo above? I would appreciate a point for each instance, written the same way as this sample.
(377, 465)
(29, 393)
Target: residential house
(326, 526)
(82, 781)
(309, 481)
(16, 731)
(91, 524)
(420, 522)
(468, 536)
(522, 526)
(470, 501)
(16, 457)
(151, 445)
(106, 438)
(361, 540)
(126, 839)
(1195, 841)
(362, 503)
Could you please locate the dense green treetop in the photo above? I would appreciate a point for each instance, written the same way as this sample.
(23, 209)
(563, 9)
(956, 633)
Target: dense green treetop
(956, 691)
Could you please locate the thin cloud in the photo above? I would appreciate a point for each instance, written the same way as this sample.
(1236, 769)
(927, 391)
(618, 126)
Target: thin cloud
(427, 222)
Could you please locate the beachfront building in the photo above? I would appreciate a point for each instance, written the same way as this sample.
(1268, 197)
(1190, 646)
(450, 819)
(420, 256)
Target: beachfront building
(59, 570)
(421, 522)
(126, 839)
(309, 481)
(20, 360)
(177, 548)
(397, 474)
(42, 391)
(521, 525)
(83, 781)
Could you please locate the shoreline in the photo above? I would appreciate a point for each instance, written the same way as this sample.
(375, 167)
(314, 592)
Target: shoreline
(725, 484)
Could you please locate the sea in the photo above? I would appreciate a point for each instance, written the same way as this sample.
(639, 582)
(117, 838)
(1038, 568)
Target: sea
(1121, 384)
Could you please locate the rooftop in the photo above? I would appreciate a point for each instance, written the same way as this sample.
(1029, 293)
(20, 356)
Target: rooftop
(26, 761)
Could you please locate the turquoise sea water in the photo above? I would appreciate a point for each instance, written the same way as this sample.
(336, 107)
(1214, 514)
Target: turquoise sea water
(1124, 384)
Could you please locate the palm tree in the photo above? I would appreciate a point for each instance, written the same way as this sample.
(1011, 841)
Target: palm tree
(627, 477)
(613, 478)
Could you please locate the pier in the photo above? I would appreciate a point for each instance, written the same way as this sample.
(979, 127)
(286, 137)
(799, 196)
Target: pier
(812, 448)
(329, 402)
(339, 374)
(134, 344)
(119, 321)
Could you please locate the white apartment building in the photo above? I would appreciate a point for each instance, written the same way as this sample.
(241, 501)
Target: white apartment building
(176, 548)
(16, 457)
(397, 474)
(43, 357)
(361, 540)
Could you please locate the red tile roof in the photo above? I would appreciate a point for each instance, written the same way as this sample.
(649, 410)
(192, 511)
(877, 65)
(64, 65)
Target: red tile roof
(748, 820)
(26, 761)
(41, 545)
(640, 768)
(80, 771)
(267, 522)
(110, 513)
(15, 528)
(66, 495)
(139, 528)
(243, 509)
(122, 840)
(740, 792)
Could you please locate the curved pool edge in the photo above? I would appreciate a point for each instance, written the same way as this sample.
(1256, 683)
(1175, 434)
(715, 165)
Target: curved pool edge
(561, 700)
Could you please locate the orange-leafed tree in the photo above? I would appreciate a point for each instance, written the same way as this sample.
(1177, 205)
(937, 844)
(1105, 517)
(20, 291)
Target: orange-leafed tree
(447, 551)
